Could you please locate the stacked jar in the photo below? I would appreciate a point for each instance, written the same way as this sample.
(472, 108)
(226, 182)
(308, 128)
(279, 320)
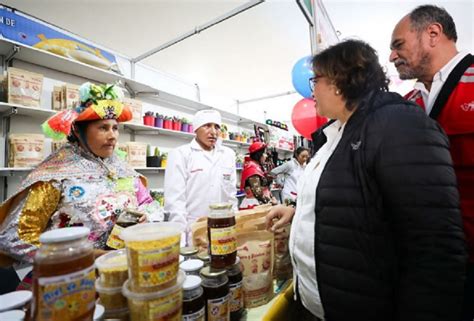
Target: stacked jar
(193, 299)
(113, 272)
(154, 287)
(64, 276)
(223, 253)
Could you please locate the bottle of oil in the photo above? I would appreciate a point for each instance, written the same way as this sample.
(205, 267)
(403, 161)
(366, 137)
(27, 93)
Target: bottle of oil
(222, 235)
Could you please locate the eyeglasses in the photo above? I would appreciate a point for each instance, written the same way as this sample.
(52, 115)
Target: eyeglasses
(313, 81)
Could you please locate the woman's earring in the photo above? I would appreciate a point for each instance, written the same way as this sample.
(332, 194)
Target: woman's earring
(338, 92)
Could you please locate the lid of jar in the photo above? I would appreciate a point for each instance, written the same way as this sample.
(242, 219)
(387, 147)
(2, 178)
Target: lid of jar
(191, 282)
(64, 234)
(113, 259)
(209, 272)
(188, 250)
(98, 312)
(191, 265)
(13, 315)
(204, 256)
(220, 206)
(14, 300)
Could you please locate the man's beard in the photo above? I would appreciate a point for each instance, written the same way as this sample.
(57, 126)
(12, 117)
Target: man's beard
(418, 72)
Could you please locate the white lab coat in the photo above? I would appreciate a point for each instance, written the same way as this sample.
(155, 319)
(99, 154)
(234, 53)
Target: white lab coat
(194, 179)
(292, 170)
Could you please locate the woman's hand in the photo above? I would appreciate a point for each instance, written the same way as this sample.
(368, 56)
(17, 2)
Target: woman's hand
(282, 214)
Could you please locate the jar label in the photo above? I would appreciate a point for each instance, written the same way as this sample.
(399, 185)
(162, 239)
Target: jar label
(66, 297)
(157, 265)
(236, 297)
(218, 309)
(114, 241)
(223, 240)
(196, 316)
(166, 308)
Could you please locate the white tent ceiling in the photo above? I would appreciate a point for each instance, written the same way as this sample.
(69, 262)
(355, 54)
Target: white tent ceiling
(247, 56)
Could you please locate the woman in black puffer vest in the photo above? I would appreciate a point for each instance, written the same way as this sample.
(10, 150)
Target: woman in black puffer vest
(386, 240)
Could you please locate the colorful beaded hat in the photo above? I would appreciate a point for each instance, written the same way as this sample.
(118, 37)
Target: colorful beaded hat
(97, 102)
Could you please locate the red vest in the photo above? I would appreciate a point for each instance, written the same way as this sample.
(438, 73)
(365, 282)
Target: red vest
(457, 120)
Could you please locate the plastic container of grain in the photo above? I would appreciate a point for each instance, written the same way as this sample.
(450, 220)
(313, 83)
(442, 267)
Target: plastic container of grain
(113, 268)
(110, 298)
(165, 304)
(117, 315)
(153, 255)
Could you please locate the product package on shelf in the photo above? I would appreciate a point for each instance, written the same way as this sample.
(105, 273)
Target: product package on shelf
(24, 87)
(136, 108)
(136, 154)
(26, 150)
(70, 96)
(56, 98)
(65, 97)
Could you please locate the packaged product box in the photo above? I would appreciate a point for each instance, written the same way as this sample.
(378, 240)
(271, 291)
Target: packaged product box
(70, 96)
(24, 87)
(26, 150)
(136, 154)
(56, 98)
(136, 108)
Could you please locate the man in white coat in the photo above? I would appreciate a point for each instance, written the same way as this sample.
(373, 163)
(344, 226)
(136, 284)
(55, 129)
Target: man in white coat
(200, 173)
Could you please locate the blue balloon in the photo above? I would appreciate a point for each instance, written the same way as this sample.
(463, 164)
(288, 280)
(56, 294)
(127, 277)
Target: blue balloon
(300, 75)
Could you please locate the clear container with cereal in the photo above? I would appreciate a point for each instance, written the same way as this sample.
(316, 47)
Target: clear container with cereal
(165, 304)
(110, 298)
(113, 269)
(152, 255)
(117, 315)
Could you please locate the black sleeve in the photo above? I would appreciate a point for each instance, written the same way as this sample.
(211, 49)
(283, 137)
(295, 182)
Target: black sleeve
(414, 171)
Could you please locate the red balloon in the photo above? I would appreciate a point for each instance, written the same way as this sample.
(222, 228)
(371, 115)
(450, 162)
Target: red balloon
(305, 119)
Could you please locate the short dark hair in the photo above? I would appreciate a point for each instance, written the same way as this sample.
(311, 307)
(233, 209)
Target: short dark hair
(425, 15)
(353, 66)
(299, 150)
(257, 155)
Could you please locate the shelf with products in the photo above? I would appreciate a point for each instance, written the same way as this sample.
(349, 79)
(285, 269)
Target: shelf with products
(11, 49)
(43, 114)
(36, 112)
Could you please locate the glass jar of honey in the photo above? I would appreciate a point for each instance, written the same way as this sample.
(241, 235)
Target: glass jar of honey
(216, 294)
(236, 301)
(222, 235)
(193, 299)
(64, 276)
(127, 218)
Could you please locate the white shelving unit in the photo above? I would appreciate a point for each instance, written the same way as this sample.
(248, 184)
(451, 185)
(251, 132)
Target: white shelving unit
(58, 69)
